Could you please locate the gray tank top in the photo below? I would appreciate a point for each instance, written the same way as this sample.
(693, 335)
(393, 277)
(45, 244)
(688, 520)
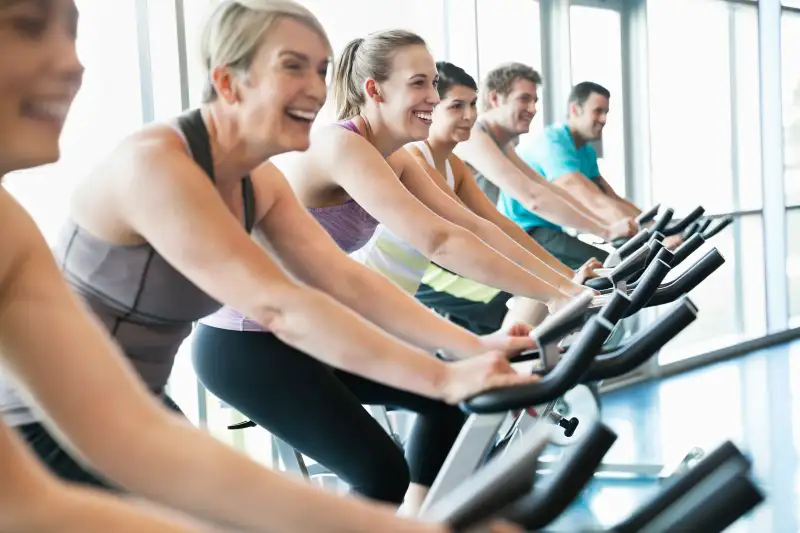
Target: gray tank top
(146, 305)
(489, 189)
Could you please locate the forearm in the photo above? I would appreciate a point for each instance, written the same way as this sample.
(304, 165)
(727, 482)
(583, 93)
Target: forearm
(607, 208)
(530, 244)
(465, 254)
(500, 241)
(562, 210)
(628, 207)
(584, 206)
(385, 304)
(72, 509)
(315, 323)
(34, 501)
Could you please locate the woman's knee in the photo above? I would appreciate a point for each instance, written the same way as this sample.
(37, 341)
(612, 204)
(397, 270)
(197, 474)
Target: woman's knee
(385, 479)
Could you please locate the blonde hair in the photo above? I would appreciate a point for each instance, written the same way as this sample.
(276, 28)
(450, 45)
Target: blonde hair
(234, 31)
(362, 59)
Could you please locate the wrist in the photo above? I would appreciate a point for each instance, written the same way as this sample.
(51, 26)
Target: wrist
(440, 380)
(467, 345)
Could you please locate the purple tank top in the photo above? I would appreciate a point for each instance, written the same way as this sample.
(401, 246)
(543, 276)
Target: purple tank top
(350, 226)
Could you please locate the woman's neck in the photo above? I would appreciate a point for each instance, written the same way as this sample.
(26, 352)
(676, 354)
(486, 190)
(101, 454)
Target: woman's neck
(233, 157)
(440, 150)
(379, 134)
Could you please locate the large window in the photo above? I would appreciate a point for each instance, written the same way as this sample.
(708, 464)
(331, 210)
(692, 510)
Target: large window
(731, 301)
(793, 260)
(107, 108)
(597, 57)
(195, 14)
(790, 69)
(509, 30)
(704, 105)
(705, 147)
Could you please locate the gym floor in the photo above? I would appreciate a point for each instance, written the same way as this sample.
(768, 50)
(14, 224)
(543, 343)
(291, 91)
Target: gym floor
(753, 401)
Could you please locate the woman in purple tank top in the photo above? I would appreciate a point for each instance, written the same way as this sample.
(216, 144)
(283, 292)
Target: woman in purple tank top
(156, 240)
(352, 176)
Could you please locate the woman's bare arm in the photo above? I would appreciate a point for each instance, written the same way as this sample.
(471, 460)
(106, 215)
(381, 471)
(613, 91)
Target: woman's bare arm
(34, 501)
(473, 197)
(173, 205)
(95, 404)
(370, 180)
(308, 252)
(419, 181)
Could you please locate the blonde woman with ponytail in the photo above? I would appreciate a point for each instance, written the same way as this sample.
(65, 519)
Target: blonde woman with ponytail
(352, 177)
(155, 240)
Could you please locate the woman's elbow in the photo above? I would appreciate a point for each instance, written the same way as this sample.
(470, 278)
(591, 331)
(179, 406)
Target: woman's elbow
(442, 242)
(533, 202)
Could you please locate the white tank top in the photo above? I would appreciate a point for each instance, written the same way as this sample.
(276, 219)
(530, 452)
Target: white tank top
(394, 257)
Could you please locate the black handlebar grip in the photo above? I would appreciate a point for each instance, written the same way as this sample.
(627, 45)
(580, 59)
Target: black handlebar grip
(558, 490)
(653, 248)
(703, 226)
(686, 249)
(691, 230)
(644, 344)
(647, 286)
(599, 284)
(560, 330)
(648, 215)
(677, 487)
(665, 256)
(656, 236)
(719, 226)
(629, 266)
(614, 309)
(553, 327)
(712, 506)
(685, 222)
(663, 220)
(690, 279)
(634, 243)
(569, 370)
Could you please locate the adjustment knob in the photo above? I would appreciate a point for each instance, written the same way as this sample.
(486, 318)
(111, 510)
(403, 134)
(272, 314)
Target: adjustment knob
(569, 426)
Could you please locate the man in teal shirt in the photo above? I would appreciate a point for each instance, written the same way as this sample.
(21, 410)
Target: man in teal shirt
(564, 157)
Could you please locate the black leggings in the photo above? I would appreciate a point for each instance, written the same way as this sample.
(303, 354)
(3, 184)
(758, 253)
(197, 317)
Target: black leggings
(319, 411)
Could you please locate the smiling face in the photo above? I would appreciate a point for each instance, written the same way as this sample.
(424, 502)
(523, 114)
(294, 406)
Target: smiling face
(279, 96)
(516, 110)
(408, 97)
(39, 77)
(455, 115)
(589, 119)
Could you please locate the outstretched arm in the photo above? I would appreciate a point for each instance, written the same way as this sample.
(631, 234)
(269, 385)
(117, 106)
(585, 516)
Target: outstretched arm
(473, 197)
(369, 179)
(512, 175)
(34, 501)
(629, 207)
(128, 437)
(300, 242)
(591, 196)
(425, 183)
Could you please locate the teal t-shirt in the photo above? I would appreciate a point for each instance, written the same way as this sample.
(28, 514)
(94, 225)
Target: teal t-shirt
(552, 154)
